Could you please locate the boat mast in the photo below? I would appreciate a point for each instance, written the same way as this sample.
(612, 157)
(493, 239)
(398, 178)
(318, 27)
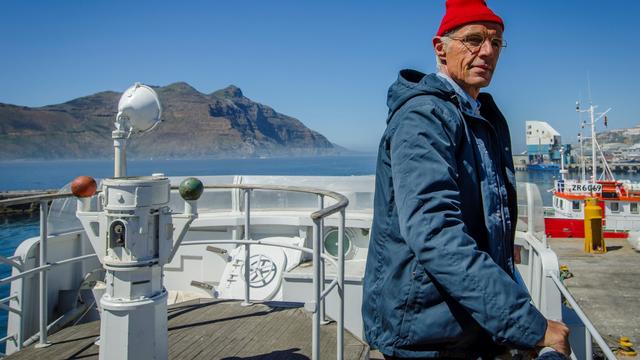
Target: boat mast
(594, 158)
(583, 166)
(593, 142)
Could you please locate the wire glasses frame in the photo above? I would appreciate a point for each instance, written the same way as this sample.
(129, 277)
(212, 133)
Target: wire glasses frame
(473, 42)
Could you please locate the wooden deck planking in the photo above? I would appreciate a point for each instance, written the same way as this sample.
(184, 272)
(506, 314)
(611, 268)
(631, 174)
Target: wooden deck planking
(252, 345)
(221, 315)
(206, 329)
(244, 339)
(236, 333)
(275, 328)
(180, 334)
(225, 343)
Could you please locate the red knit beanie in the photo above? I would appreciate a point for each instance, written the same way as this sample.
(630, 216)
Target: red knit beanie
(460, 12)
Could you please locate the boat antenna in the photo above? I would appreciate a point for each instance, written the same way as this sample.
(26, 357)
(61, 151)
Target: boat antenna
(583, 166)
(589, 87)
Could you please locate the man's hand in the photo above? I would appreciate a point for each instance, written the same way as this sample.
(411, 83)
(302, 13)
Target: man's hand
(557, 337)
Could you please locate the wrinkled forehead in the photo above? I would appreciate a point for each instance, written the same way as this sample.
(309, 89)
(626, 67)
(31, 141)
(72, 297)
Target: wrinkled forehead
(488, 28)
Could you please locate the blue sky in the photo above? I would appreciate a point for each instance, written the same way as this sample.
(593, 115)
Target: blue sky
(327, 63)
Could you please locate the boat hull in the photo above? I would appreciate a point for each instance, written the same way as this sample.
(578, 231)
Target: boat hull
(574, 228)
(543, 167)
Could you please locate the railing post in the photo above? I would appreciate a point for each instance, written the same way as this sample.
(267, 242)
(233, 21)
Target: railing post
(541, 287)
(247, 247)
(315, 331)
(340, 273)
(537, 275)
(530, 262)
(44, 211)
(20, 339)
(322, 308)
(587, 345)
(530, 213)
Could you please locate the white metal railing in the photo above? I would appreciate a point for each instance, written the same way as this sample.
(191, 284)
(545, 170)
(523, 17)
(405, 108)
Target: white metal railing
(43, 200)
(544, 283)
(320, 291)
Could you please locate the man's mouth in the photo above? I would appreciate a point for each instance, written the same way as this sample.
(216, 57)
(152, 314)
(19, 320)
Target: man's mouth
(483, 67)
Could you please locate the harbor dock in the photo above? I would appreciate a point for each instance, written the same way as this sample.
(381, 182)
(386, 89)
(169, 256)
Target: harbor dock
(22, 209)
(606, 286)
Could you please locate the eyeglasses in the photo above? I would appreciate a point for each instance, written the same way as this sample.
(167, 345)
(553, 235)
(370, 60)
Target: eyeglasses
(473, 42)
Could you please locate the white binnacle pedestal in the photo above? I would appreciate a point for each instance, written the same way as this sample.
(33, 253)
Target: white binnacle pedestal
(134, 236)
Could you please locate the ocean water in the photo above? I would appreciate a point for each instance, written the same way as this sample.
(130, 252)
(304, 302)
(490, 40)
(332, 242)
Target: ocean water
(28, 175)
(13, 230)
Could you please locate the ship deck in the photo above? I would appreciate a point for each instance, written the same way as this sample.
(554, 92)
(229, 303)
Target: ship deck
(606, 286)
(216, 329)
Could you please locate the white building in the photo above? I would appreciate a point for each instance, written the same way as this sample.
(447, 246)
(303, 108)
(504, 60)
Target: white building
(543, 142)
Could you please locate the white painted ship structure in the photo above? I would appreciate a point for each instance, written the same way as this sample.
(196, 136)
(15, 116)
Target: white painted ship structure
(122, 254)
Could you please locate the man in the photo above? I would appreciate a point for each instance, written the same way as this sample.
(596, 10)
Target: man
(440, 277)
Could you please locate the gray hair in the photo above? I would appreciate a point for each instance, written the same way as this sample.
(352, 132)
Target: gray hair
(445, 38)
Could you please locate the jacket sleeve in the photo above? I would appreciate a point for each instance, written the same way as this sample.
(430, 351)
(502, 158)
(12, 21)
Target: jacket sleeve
(424, 172)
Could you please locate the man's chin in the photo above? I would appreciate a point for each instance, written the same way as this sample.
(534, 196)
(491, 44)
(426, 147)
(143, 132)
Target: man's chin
(480, 82)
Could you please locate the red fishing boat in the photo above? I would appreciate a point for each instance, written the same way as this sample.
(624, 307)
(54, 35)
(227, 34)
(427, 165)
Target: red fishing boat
(619, 200)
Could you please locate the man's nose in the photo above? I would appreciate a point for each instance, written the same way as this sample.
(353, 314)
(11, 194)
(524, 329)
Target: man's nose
(487, 50)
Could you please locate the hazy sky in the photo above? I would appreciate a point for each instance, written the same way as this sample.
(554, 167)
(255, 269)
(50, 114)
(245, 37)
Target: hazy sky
(327, 63)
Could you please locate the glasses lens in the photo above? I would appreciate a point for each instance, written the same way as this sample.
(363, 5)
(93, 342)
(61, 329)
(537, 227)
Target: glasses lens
(474, 40)
(497, 43)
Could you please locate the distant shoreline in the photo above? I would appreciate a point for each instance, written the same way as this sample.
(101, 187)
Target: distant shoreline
(350, 154)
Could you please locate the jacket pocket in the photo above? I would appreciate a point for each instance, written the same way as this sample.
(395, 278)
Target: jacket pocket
(405, 333)
(431, 323)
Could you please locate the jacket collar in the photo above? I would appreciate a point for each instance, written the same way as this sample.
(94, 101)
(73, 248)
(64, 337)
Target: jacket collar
(468, 104)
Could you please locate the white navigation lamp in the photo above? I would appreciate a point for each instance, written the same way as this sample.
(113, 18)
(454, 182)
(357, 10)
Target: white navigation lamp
(139, 111)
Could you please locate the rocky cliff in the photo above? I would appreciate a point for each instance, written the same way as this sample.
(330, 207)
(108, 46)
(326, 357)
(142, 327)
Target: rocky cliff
(222, 124)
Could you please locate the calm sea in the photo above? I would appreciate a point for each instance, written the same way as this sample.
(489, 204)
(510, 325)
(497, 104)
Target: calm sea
(21, 175)
(28, 175)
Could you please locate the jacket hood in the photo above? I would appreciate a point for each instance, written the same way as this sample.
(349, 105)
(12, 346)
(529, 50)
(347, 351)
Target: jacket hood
(412, 83)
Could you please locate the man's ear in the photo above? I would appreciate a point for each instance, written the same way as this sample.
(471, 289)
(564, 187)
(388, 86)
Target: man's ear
(440, 49)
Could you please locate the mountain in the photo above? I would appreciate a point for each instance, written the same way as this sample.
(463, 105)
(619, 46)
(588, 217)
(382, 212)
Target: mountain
(612, 138)
(224, 123)
(628, 136)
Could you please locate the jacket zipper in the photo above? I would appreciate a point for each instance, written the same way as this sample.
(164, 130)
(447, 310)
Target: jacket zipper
(498, 166)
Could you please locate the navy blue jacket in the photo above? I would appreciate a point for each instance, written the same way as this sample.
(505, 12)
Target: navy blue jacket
(439, 279)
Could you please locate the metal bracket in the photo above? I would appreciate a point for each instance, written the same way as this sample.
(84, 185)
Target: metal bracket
(201, 285)
(310, 306)
(222, 252)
